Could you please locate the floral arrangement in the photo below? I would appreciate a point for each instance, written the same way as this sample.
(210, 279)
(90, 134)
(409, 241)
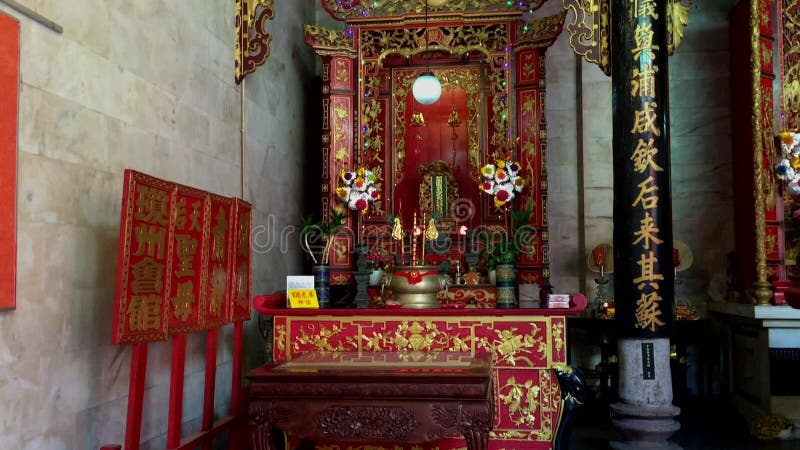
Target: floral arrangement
(379, 258)
(357, 189)
(502, 181)
(789, 166)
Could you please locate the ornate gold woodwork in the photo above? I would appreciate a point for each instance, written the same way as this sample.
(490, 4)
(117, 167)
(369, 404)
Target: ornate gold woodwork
(464, 78)
(791, 64)
(589, 32)
(458, 40)
(523, 349)
(540, 33)
(427, 195)
(677, 20)
(761, 289)
(251, 48)
(370, 11)
(590, 29)
(327, 42)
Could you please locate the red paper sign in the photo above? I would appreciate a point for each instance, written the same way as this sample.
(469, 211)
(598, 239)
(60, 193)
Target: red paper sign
(144, 262)
(242, 261)
(9, 88)
(189, 274)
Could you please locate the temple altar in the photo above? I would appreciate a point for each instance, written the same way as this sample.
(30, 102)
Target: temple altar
(524, 347)
(426, 159)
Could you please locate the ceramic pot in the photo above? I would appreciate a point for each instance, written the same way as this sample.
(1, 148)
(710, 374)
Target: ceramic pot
(506, 283)
(322, 284)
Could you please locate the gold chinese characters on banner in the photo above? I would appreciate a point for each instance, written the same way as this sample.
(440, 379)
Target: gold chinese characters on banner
(183, 263)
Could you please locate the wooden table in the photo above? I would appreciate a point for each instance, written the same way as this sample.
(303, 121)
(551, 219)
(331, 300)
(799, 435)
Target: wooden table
(366, 397)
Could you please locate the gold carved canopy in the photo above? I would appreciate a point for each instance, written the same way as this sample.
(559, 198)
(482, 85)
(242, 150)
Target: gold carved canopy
(363, 10)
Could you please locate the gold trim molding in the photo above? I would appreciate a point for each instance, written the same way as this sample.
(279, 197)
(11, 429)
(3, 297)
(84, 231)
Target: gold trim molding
(352, 11)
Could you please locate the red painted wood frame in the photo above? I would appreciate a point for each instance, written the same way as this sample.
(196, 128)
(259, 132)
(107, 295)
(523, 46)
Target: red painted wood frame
(9, 92)
(234, 422)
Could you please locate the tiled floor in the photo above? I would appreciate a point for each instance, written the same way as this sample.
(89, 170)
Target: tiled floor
(703, 427)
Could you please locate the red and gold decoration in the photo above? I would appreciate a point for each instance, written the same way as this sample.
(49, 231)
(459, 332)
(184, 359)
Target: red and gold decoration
(144, 263)
(590, 29)
(368, 112)
(363, 10)
(790, 63)
(252, 39)
(241, 259)
(189, 275)
(523, 349)
(9, 92)
(183, 260)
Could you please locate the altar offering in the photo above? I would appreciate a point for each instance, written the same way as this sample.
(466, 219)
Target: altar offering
(416, 286)
(558, 301)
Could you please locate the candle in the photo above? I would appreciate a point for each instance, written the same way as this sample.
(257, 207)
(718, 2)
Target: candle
(422, 259)
(414, 240)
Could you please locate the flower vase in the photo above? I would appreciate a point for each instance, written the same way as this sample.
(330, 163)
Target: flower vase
(506, 281)
(322, 284)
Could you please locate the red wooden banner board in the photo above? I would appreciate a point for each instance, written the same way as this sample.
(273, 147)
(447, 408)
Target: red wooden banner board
(184, 259)
(189, 268)
(218, 255)
(9, 91)
(242, 266)
(144, 262)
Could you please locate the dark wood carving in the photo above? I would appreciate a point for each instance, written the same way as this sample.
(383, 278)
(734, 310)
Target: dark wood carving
(365, 422)
(398, 403)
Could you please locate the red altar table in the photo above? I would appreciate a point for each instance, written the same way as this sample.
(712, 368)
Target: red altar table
(523, 345)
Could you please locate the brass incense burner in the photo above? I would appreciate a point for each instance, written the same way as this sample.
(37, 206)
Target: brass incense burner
(416, 286)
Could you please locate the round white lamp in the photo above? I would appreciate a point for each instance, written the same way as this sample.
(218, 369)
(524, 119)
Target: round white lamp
(427, 89)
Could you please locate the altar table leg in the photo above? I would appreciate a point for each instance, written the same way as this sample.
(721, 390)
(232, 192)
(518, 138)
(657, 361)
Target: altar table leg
(476, 439)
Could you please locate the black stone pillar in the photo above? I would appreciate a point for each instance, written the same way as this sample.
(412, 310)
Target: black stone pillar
(644, 282)
(643, 262)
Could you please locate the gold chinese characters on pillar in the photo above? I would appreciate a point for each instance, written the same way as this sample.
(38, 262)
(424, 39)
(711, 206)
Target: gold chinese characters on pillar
(648, 310)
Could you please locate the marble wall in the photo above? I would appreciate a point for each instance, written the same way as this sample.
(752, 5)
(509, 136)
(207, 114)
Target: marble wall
(148, 85)
(700, 151)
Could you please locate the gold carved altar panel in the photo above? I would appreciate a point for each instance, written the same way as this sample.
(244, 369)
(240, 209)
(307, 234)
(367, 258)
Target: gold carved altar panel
(522, 348)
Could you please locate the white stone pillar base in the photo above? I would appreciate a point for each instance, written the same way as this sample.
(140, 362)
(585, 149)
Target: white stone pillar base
(645, 415)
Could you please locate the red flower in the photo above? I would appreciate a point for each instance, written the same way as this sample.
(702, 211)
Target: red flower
(361, 204)
(502, 196)
(374, 194)
(487, 186)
